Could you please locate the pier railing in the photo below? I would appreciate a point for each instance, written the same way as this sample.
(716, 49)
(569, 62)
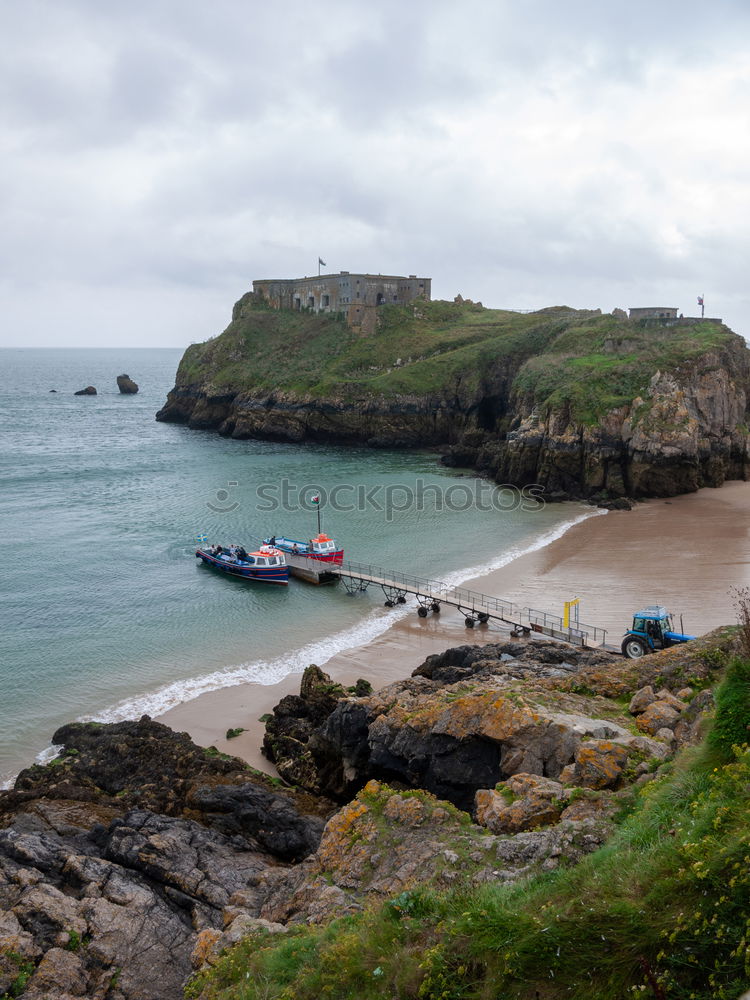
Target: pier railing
(473, 601)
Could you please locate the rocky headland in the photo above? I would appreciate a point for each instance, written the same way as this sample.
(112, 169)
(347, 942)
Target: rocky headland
(136, 858)
(583, 404)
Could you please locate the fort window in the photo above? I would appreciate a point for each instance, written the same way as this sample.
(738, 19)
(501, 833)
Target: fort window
(380, 299)
(311, 302)
(326, 300)
(297, 303)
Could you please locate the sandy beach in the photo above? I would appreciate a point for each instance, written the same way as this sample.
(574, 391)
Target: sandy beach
(686, 553)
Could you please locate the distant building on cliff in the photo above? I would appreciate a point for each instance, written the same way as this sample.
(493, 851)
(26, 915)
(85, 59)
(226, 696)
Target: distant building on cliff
(355, 295)
(654, 312)
(667, 316)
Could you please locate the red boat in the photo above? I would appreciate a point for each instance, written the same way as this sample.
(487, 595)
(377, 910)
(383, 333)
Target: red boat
(321, 547)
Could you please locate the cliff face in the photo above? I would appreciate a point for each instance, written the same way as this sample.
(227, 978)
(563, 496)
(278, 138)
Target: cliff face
(579, 403)
(686, 431)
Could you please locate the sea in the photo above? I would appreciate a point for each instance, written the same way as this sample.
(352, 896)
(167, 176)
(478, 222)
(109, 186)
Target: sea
(106, 612)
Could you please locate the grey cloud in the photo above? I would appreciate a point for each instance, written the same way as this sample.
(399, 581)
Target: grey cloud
(523, 154)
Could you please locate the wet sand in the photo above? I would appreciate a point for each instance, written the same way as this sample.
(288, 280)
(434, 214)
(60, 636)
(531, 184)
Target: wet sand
(686, 553)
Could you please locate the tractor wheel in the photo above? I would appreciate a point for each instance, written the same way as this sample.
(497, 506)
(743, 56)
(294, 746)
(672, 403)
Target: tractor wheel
(422, 612)
(633, 647)
(469, 622)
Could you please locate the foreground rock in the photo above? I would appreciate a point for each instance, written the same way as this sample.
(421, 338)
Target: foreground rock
(387, 842)
(115, 911)
(88, 391)
(146, 765)
(136, 856)
(126, 385)
(115, 858)
(475, 716)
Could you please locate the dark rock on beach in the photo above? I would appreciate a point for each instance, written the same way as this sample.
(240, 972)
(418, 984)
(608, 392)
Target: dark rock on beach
(146, 765)
(126, 385)
(88, 391)
(294, 721)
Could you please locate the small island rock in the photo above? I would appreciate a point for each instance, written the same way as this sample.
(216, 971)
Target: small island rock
(126, 385)
(88, 391)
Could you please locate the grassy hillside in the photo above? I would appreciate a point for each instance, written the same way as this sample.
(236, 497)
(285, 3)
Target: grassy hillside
(661, 911)
(595, 362)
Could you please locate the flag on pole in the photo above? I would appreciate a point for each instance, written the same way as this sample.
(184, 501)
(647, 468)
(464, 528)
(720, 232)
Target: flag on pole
(202, 539)
(315, 499)
(700, 300)
(322, 262)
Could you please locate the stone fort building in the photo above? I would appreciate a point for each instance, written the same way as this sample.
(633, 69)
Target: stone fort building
(355, 295)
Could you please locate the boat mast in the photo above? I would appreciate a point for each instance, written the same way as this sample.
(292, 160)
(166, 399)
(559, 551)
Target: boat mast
(316, 501)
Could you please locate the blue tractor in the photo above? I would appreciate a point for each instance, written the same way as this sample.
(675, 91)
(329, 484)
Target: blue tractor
(652, 629)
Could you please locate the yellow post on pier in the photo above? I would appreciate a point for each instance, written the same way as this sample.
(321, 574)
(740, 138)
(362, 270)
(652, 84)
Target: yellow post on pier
(566, 613)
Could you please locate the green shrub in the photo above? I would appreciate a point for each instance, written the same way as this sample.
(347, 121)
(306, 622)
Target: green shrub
(732, 722)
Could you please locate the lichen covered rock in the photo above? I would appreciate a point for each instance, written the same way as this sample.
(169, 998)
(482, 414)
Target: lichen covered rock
(523, 802)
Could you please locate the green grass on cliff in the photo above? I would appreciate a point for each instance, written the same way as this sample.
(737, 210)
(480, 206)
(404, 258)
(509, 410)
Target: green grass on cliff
(558, 357)
(663, 910)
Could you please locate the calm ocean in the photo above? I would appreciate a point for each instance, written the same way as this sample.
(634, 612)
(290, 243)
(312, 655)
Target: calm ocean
(106, 612)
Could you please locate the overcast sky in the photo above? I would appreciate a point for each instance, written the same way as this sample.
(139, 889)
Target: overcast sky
(157, 155)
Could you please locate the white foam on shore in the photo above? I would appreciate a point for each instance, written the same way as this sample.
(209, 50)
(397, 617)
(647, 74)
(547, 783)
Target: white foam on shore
(265, 672)
(542, 541)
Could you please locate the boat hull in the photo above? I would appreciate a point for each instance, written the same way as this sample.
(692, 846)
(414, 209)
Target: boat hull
(262, 574)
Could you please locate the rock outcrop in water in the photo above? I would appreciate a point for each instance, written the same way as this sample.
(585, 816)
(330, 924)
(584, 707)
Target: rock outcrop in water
(90, 390)
(582, 404)
(126, 385)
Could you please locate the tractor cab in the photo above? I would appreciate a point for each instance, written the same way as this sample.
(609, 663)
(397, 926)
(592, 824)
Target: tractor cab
(652, 629)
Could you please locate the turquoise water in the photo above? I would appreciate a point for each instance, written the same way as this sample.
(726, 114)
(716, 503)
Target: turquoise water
(106, 611)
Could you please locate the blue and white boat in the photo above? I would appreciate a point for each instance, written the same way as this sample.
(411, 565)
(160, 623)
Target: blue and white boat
(267, 565)
(322, 547)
